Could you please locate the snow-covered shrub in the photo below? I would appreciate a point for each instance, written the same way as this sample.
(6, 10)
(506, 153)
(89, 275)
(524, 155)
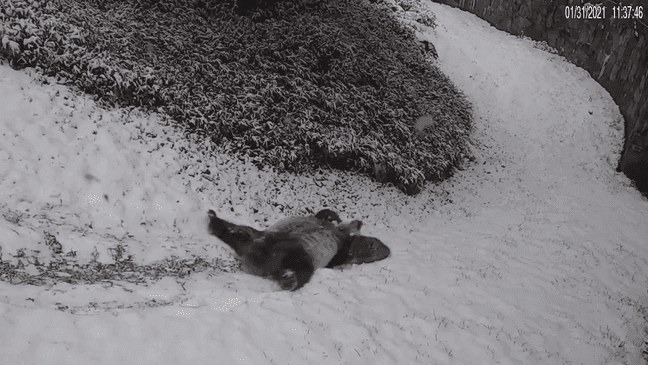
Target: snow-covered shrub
(28, 32)
(307, 83)
(34, 35)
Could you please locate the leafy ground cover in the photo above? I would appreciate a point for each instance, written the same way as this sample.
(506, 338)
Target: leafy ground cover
(291, 85)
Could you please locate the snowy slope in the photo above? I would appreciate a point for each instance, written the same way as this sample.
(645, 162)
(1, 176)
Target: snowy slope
(534, 255)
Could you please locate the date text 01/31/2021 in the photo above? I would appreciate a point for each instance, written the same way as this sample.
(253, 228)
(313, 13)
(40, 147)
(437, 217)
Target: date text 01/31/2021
(589, 11)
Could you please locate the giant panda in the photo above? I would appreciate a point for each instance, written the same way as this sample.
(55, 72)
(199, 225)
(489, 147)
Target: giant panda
(292, 249)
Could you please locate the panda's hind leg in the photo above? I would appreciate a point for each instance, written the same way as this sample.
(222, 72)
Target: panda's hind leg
(236, 236)
(289, 264)
(328, 215)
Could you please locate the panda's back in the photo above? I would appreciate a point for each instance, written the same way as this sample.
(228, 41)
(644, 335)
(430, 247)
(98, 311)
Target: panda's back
(318, 238)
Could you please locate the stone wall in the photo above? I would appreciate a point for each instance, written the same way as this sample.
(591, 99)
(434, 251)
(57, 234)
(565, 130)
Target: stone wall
(613, 51)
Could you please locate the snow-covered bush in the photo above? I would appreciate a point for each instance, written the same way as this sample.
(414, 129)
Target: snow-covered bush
(295, 85)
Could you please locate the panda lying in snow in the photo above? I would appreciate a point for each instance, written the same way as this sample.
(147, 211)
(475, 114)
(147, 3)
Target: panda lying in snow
(292, 249)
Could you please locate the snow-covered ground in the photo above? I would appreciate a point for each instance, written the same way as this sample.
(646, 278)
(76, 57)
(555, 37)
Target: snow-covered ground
(536, 254)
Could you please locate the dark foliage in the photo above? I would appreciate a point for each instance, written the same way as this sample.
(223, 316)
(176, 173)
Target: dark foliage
(295, 84)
